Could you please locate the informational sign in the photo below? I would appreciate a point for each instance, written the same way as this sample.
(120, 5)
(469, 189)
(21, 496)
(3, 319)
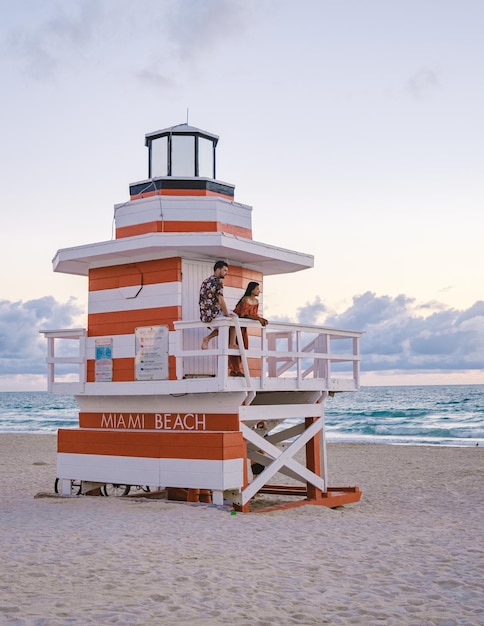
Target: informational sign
(151, 360)
(103, 368)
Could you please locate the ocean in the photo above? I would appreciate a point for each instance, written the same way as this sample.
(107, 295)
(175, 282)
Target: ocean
(451, 415)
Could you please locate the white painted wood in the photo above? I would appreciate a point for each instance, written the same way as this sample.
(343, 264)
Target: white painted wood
(201, 474)
(324, 455)
(257, 457)
(278, 411)
(64, 333)
(284, 435)
(65, 487)
(285, 457)
(124, 346)
(149, 297)
(217, 403)
(183, 209)
(194, 273)
(209, 385)
(65, 388)
(67, 385)
(251, 254)
(109, 469)
(217, 497)
(281, 459)
(279, 375)
(188, 473)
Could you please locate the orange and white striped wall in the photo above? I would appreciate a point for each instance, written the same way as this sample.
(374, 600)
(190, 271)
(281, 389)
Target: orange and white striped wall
(148, 293)
(182, 214)
(194, 441)
(194, 459)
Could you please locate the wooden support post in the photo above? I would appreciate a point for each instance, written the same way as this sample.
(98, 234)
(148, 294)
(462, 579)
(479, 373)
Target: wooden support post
(193, 495)
(205, 496)
(313, 459)
(65, 487)
(244, 508)
(218, 497)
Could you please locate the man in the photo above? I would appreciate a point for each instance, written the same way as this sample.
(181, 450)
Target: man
(212, 303)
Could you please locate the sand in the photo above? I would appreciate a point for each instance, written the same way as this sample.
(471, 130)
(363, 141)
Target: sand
(411, 552)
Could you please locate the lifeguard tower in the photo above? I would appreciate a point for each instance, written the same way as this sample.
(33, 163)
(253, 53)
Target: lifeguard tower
(155, 409)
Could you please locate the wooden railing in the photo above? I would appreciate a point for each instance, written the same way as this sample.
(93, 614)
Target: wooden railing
(56, 377)
(283, 352)
(281, 356)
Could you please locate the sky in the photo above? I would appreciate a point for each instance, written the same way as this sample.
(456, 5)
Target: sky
(353, 128)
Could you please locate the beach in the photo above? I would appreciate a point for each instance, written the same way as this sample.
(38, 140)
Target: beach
(410, 552)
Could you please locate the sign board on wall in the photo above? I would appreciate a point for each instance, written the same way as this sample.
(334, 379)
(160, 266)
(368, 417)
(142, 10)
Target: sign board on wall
(103, 368)
(151, 360)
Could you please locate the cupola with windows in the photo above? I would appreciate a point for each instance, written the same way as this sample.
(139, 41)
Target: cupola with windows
(181, 160)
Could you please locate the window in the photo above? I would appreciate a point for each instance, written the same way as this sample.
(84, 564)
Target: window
(159, 157)
(205, 158)
(183, 155)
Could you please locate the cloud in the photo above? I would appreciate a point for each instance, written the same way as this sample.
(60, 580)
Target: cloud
(310, 313)
(423, 83)
(22, 348)
(184, 34)
(156, 79)
(156, 45)
(195, 26)
(400, 334)
(52, 36)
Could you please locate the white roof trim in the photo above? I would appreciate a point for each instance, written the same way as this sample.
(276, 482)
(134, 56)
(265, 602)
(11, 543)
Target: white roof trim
(197, 246)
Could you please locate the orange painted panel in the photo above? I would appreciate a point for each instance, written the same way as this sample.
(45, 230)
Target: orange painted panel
(170, 445)
(125, 322)
(240, 277)
(153, 272)
(161, 271)
(171, 368)
(245, 274)
(180, 192)
(136, 437)
(123, 370)
(199, 422)
(172, 226)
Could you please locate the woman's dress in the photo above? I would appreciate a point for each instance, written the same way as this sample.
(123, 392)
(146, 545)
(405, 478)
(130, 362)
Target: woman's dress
(249, 311)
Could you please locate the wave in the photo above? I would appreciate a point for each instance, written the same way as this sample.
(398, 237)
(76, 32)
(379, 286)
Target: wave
(416, 415)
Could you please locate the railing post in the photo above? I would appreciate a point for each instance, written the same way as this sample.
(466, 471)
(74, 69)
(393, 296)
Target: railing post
(321, 365)
(298, 359)
(356, 362)
(179, 366)
(83, 363)
(328, 360)
(50, 363)
(271, 361)
(263, 366)
(222, 358)
(324, 456)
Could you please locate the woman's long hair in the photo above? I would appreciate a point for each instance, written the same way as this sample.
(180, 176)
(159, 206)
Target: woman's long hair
(248, 292)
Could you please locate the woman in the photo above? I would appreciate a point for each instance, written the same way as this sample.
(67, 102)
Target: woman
(247, 307)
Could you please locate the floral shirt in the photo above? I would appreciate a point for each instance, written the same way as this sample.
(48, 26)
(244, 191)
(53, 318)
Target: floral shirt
(210, 290)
